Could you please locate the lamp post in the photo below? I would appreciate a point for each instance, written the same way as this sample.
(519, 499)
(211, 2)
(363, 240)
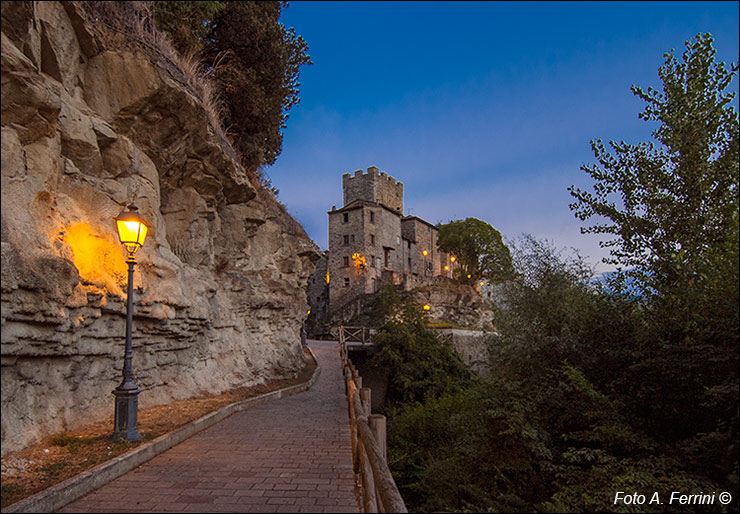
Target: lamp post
(132, 231)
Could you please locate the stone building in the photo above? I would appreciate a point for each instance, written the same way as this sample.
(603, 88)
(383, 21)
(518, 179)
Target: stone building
(371, 242)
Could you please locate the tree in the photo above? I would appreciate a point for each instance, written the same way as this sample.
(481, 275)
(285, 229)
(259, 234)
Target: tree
(256, 62)
(187, 23)
(674, 204)
(477, 247)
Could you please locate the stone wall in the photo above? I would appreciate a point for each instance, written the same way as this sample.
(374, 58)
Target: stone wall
(472, 345)
(220, 283)
(373, 187)
(348, 279)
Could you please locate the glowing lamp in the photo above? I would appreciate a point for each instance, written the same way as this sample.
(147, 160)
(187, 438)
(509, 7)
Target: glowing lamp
(131, 228)
(425, 252)
(132, 231)
(481, 283)
(309, 311)
(447, 268)
(468, 276)
(452, 258)
(426, 307)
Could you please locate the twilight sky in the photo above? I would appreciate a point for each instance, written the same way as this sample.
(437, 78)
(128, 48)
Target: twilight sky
(482, 109)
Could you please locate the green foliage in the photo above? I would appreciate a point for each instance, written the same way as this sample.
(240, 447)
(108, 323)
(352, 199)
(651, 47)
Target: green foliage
(672, 207)
(574, 411)
(597, 390)
(419, 365)
(478, 247)
(477, 449)
(187, 23)
(254, 61)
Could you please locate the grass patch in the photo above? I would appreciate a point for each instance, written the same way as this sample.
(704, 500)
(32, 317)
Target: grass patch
(11, 493)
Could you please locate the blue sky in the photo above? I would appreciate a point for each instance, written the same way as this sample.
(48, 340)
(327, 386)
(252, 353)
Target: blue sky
(481, 109)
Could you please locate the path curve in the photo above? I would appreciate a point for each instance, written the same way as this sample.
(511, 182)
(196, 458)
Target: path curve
(289, 455)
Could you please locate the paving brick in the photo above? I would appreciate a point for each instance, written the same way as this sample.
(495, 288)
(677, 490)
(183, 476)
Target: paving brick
(287, 455)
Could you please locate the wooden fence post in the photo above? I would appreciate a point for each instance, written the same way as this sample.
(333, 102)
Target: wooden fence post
(377, 425)
(369, 498)
(365, 397)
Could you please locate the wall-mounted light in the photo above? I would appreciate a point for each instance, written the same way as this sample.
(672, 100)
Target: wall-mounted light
(359, 260)
(427, 307)
(425, 253)
(452, 258)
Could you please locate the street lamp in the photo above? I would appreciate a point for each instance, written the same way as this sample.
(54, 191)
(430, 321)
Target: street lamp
(132, 231)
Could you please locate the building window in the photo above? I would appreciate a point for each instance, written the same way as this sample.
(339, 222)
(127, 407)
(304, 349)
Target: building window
(372, 261)
(372, 217)
(372, 239)
(408, 244)
(346, 217)
(346, 262)
(429, 247)
(346, 240)
(387, 257)
(409, 262)
(429, 266)
(429, 229)
(346, 282)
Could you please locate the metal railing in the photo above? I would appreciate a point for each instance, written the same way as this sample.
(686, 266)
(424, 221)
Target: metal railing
(368, 431)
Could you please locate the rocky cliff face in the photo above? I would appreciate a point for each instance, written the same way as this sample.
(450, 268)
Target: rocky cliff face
(220, 282)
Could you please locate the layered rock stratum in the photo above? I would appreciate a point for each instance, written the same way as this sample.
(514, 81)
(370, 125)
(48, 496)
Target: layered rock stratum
(220, 282)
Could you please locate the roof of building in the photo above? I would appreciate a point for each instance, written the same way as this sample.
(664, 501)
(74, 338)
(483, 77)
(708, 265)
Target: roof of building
(357, 204)
(417, 218)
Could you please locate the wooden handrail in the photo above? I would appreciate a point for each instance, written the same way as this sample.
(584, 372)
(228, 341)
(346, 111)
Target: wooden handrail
(380, 492)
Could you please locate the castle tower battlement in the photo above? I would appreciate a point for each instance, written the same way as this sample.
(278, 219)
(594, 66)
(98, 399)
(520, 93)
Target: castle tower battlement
(373, 186)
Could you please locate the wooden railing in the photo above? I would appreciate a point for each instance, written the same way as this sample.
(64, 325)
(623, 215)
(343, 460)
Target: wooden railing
(369, 457)
(355, 334)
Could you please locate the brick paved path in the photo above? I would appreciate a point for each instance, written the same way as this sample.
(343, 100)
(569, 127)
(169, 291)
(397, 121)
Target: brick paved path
(289, 455)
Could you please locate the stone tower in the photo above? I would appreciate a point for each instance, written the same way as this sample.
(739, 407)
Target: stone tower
(373, 187)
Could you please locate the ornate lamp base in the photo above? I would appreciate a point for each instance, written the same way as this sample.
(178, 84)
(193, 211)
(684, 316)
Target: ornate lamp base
(124, 424)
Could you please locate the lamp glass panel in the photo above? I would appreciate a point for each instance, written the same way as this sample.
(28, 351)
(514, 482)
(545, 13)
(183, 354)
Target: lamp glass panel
(131, 231)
